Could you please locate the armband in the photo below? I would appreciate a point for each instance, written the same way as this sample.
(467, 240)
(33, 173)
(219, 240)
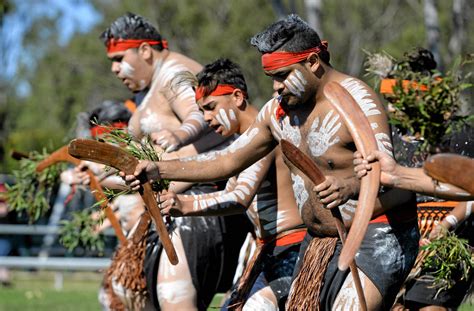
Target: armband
(468, 209)
(452, 220)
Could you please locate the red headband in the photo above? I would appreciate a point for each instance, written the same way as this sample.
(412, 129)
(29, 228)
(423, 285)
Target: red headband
(277, 60)
(119, 45)
(99, 130)
(221, 89)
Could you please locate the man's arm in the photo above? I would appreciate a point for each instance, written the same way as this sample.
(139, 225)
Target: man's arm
(251, 146)
(413, 179)
(235, 199)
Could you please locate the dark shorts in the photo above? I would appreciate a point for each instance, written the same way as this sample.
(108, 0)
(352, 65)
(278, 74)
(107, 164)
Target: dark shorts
(211, 245)
(278, 264)
(386, 256)
(422, 292)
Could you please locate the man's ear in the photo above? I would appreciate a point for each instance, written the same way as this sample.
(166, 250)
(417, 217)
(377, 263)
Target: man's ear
(239, 98)
(314, 62)
(145, 51)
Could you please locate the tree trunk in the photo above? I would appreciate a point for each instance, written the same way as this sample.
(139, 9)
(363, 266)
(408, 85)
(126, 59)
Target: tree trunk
(458, 34)
(432, 30)
(313, 14)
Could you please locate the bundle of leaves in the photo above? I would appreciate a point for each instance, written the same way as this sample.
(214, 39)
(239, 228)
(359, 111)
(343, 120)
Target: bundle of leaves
(449, 260)
(80, 231)
(32, 191)
(141, 149)
(425, 108)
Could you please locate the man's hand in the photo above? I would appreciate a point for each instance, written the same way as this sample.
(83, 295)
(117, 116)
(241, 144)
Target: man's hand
(169, 204)
(333, 192)
(167, 140)
(145, 171)
(388, 166)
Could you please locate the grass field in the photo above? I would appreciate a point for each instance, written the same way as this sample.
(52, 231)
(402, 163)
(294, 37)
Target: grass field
(35, 291)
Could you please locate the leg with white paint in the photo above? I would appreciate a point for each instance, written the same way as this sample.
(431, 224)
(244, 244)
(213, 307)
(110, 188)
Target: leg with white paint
(175, 287)
(263, 300)
(347, 298)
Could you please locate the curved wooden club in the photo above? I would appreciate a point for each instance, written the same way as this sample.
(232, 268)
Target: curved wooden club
(451, 168)
(62, 155)
(307, 166)
(95, 151)
(364, 139)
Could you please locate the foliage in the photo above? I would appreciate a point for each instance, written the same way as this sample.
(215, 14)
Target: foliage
(142, 150)
(32, 190)
(80, 231)
(76, 76)
(426, 108)
(449, 261)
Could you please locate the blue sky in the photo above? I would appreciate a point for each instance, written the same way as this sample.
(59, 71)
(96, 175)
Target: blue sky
(68, 16)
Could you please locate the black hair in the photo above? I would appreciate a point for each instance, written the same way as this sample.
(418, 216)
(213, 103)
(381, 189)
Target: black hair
(420, 60)
(291, 34)
(221, 71)
(108, 112)
(132, 26)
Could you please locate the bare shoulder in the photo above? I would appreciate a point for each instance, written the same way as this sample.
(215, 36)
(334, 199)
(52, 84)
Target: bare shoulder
(188, 63)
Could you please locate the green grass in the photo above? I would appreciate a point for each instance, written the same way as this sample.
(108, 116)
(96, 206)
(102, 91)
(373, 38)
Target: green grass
(34, 291)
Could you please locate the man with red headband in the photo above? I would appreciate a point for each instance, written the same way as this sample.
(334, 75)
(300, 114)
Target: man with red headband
(298, 62)
(169, 114)
(260, 191)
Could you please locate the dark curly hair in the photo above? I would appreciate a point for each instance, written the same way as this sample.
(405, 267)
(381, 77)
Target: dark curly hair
(291, 34)
(221, 71)
(132, 26)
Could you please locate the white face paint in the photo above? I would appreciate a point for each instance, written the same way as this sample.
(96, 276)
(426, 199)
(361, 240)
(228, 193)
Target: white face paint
(126, 69)
(301, 195)
(320, 138)
(295, 83)
(223, 119)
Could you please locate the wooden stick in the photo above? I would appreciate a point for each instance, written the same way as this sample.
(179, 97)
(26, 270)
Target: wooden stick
(451, 168)
(302, 162)
(364, 139)
(62, 155)
(95, 151)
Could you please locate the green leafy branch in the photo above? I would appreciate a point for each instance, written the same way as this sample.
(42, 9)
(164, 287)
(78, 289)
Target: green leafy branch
(426, 110)
(449, 261)
(141, 149)
(80, 231)
(32, 190)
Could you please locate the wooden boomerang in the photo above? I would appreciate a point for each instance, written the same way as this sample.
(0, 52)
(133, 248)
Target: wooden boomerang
(451, 168)
(302, 162)
(62, 155)
(364, 139)
(116, 157)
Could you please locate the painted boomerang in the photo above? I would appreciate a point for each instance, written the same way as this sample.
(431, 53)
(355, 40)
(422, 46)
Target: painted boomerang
(307, 166)
(451, 168)
(364, 139)
(62, 155)
(95, 151)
